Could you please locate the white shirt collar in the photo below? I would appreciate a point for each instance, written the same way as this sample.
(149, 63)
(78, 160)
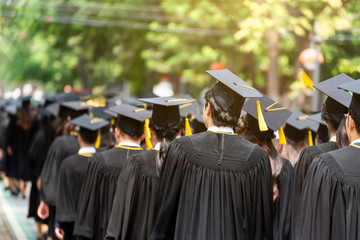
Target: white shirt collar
(157, 146)
(129, 144)
(333, 139)
(356, 141)
(221, 129)
(87, 150)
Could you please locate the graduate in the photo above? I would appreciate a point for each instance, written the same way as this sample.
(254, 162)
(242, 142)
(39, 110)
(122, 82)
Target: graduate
(334, 108)
(275, 116)
(298, 136)
(330, 200)
(96, 199)
(62, 147)
(132, 215)
(216, 185)
(72, 173)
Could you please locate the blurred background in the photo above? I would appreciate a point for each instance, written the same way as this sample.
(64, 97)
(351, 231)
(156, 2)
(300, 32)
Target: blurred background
(140, 47)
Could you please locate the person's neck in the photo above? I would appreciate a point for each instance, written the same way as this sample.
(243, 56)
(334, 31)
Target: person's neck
(332, 134)
(354, 137)
(84, 145)
(127, 139)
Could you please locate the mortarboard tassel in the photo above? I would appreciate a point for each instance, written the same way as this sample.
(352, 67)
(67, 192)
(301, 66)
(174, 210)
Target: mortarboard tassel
(148, 135)
(112, 121)
(310, 138)
(187, 127)
(282, 139)
(98, 140)
(262, 124)
(307, 80)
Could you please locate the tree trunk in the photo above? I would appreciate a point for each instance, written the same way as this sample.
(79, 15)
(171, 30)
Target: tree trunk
(81, 72)
(273, 81)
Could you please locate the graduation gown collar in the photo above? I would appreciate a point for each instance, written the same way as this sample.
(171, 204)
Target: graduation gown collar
(129, 145)
(356, 143)
(86, 151)
(217, 129)
(333, 139)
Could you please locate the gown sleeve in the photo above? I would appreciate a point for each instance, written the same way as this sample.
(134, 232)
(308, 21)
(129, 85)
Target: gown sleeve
(123, 201)
(85, 218)
(65, 211)
(168, 197)
(313, 220)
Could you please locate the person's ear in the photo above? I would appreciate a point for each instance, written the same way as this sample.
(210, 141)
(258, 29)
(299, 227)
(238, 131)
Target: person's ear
(208, 109)
(351, 123)
(117, 132)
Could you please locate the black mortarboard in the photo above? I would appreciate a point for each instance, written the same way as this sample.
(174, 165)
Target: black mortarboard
(66, 97)
(230, 89)
(90, 123)
(53, 108)
(316, 118)
(131, 118)
(138, 114)
(198, 123)
(297, 126)
(330, 88)
(83, 96)
(275, 115)
(354, 88)
(101, 113)
(73, 109)
(166, 109)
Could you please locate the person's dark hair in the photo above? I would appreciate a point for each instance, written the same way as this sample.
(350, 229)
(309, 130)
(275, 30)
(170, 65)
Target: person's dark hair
(342, 139)
(264, 142)
(166, 134)
(129, 126)
(88, 136)
(220, 117)
(25, 117)
(325, 115)
(356, 120)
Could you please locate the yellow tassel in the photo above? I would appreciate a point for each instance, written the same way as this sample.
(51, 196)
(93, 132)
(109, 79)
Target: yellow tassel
(282, 139)
(307, 80)
(262, 124)
(187, 127)
(98, 140)
(310, 138)
(112, 121)
(148, 135)
(91, 112)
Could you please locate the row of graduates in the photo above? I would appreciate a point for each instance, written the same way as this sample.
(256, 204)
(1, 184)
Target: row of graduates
(211, 185)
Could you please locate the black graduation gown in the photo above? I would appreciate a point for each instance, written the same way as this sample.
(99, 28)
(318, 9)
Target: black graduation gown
(283, 203)
(98, 192)
(330, 200)
(72, 174)
(37, 154)
(214, 186)
(133, 211)
(306, 157)
(61, 148)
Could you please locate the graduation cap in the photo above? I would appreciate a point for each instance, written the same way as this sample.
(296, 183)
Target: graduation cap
(298, 126)
(330, 88)
(53, 108)
(275, 115)
(165, 113)
(73, 109)
(231, 90)
(354, 89)
(92, 124)
(198, 123)
(66, 97)
(131, 118)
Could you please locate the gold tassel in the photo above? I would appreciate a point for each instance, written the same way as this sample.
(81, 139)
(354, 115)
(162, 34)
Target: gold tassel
(187, 127)
(98, 140)
(112, 121)
(91, 112)
(282, 139)
(148, 135)
(262, 124)
(310, 138)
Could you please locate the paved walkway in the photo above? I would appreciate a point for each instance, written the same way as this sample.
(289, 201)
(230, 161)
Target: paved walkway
(13, 221)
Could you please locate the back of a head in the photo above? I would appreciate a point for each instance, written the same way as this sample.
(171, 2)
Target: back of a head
(333, 112)
(224, 115)
(88, 136)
